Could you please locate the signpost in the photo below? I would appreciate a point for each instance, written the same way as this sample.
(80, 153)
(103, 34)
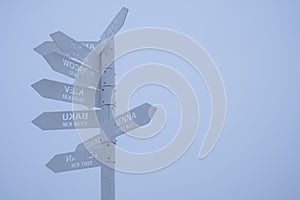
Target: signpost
(70, 46)
(72, 161)
(48, 47)
(116, 24)
(124, 123)
(67, 120)
(83, 119)
(72, 68)
(68, 93)
(68, 57)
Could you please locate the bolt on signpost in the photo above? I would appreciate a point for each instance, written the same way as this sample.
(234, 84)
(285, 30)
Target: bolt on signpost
(68, 57)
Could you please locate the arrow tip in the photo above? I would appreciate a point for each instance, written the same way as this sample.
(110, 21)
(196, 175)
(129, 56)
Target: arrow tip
(35, 121)
(45, 48)
(34, 85)
(40, 49)
(48, 164)
(125, 9)
(39, 86)
(152, 111)
(51, 166)
(39, 122)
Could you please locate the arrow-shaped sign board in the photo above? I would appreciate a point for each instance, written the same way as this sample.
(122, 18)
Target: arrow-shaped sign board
(126, 122)
(72, 161)
(132, 119)
(115, 25)
(68, 93)
(80, 50)
(50, 46)
(67, 120)
(105, 153)
(70, 46)
(72, 69)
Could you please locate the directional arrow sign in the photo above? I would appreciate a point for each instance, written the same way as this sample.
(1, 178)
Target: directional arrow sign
(72, 161)
(68, 93)
(133, 119)
(126, 122)
(50, 46)
(68, 120)
(80, 50)
(72, 69)
(83, 119)
(115, 25)
(47, 47)
(70, 46)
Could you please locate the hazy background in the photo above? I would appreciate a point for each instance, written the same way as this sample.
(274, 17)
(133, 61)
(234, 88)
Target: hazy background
(255, 45)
